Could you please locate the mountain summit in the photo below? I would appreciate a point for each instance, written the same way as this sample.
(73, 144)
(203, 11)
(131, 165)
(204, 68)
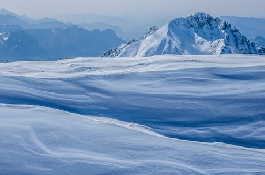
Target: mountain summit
(199, 34)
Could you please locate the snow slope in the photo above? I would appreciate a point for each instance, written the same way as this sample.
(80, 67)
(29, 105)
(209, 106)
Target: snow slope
(124, 111)
(37, 140)
(199, 34)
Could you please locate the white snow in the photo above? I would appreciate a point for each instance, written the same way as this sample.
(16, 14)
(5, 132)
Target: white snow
(37, 140)
(81, 67)
(115, 115)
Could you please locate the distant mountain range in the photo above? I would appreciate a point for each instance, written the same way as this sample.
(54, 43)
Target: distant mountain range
(9, 18)
(73, 41)
(103, 26)
(259, 40)
(199, 34)
(23, 37)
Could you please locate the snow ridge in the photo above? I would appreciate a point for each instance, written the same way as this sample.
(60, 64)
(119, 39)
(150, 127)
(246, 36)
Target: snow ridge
(199, 34)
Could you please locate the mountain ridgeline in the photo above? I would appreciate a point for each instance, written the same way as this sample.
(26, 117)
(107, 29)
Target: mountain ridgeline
(199, 34)
(23, 38)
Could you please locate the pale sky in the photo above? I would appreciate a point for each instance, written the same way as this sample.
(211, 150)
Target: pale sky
(137, 8)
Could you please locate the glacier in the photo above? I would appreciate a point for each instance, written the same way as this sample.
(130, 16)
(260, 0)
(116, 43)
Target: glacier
(167, 114)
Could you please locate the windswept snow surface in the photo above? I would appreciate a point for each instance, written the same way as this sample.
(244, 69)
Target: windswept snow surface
(37, 140)
(120, 113)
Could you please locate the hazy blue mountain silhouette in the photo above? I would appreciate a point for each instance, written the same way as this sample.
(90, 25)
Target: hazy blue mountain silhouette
(20, 45)
(73, 41)
(23, 37)
(259, 40)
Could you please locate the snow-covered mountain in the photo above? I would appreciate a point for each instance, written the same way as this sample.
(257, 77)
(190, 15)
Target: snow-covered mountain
(199, 34)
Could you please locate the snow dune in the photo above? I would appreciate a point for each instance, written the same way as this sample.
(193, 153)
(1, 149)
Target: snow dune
(120, 113)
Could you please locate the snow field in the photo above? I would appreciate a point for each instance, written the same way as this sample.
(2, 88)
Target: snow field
(115, 115)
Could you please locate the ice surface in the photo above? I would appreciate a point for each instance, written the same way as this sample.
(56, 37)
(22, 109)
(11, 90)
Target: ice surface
(124, 108)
